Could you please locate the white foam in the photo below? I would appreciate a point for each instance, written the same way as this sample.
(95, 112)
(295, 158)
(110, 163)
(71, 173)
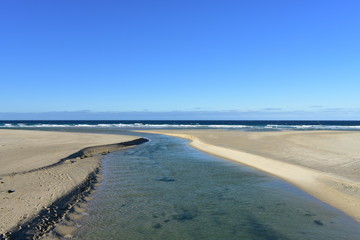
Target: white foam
(311, 127)
(278, 127)
(84, 125)
(49, 125)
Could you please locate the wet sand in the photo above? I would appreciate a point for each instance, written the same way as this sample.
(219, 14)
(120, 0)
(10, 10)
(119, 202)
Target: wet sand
(41, 168)
(325, 164)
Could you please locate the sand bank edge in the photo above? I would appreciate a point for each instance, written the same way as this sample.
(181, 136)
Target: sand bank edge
(47, 218)
(318, 184)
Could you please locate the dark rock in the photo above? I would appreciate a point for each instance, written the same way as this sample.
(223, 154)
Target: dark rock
(166, 179)
(318, 222)
(10, 191)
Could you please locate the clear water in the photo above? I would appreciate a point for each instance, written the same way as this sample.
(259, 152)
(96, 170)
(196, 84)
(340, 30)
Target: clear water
(165, 189)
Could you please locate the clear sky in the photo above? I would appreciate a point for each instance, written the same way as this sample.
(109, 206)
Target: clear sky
(278, 59)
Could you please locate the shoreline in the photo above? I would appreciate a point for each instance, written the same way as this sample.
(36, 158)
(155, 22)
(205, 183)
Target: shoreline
(33, 201)
(337, 191)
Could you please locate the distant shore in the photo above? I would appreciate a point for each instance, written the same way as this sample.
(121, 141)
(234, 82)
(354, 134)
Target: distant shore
(42, 171)
(325, 164)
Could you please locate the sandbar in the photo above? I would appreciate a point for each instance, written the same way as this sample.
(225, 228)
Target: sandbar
(325, 164)
(39, 168)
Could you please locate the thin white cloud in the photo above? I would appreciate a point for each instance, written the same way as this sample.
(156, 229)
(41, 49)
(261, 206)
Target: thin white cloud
(272, 109)
(263, 114)
(316, 106)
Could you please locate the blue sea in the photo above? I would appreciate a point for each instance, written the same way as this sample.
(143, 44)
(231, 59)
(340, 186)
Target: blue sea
(201, 124)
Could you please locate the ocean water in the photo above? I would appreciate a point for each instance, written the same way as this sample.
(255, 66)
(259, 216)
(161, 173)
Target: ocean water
(165, 189)
(234, 125)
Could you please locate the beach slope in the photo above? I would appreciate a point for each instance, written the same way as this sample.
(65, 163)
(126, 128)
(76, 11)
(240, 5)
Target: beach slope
(39, 168)
(325, 164)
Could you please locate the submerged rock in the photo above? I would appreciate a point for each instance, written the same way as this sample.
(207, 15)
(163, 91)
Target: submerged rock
(186, 215)
(157, 225)
(318, 222)
(166, 179)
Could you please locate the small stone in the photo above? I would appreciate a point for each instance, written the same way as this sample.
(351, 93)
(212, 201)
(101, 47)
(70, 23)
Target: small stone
(10, 191)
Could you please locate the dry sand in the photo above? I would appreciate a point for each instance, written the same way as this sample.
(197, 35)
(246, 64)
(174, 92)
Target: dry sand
(325, 164)
(26, 150)
(28, 186)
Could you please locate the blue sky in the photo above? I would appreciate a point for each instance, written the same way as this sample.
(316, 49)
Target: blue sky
(273, 59)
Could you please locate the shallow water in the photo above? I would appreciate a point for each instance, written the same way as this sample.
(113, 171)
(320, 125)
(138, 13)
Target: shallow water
(165, 189)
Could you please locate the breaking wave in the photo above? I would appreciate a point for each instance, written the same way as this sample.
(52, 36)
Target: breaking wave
(234, 125)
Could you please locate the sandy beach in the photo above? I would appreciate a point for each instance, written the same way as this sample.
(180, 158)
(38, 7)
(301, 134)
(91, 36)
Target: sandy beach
(325, 164)
(40, 168)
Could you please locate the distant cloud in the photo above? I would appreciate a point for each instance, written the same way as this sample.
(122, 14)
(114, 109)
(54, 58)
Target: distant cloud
(316, 106)
(263, 114)
(342, 110)
(272, 109)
